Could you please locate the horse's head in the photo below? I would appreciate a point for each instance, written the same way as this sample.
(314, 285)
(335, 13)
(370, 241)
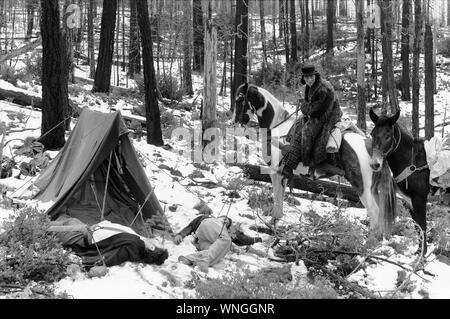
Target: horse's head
(242, 109)
(384, 141)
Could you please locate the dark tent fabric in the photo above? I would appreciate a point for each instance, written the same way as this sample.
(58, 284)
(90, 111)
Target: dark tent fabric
(76, 179)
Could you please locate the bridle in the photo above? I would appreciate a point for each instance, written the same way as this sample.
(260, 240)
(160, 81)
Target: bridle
(244, 96)
(408, 170)
(394, 144)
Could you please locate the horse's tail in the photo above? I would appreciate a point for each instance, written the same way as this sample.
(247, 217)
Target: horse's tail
(384, 190)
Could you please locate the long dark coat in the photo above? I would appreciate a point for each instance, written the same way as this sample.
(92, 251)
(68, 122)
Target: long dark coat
(321, 112)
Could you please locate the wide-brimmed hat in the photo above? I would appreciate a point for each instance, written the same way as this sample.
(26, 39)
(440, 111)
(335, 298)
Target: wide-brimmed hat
(308, 69)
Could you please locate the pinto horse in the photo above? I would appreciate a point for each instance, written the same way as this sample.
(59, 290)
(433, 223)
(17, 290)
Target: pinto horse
(407, 160)
(354, 158)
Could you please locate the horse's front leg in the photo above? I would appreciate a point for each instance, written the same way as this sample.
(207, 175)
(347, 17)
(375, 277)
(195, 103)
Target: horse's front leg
(418, 213)
(278, 188)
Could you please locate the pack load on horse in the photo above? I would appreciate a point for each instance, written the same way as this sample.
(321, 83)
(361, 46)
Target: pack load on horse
(352, 160)
(415, 164)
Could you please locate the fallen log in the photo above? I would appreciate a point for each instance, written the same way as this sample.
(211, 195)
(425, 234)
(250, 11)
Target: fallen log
(21, 98)
(27, 98)
(28, 47)
(328, 188)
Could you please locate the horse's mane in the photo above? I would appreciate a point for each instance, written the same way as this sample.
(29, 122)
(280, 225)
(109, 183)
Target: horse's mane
(406, 131)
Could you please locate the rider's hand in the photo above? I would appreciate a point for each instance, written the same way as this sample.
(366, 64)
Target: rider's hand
(287, 172)
(178, 239)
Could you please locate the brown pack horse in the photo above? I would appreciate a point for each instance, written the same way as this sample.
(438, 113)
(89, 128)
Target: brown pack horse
(406, 158)
(375, 189)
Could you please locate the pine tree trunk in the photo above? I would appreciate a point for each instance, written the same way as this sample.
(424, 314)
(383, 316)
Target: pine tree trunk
(91, 43)
(368, 34)
(223, 82)
(187, 54)
(158, 32)
(330, 38)
(286, 31)
(281, 5)
(448, 13)
(406, 85)
(106, 49)
(293, 32)
(307, 36)
(240, 47)
(361, 63)
(429, 79)
(434, 56)
(68, 35)
(152, 114)
(263, 31)
(416, 67)
(54, 78)
(388, 68)
(274, 38)
(30, 19)
(199, 46)
(210, 76)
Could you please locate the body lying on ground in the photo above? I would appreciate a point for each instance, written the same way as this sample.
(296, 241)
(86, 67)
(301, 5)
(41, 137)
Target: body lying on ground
(106, 242)
(213, 238)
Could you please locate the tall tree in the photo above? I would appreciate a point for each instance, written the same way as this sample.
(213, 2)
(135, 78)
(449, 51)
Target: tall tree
(406, 83)
(91, 43)
(274, 38)
(55, 99)
(187, 53)
(448, 13)
(361, 63)
(134, 52)
(152, 114)
(106, 49)
(388, 80)
(330, 24)
(429, 74)
(418, 26)
(209, 91)
(69, 25)
(199, 33)
(286, 30)
(31, 7)
(281, 6)
(263, 31)
(307, 34)
(293, 33)
(240, 47)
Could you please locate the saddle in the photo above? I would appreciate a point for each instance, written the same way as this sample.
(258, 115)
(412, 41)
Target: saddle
(330, 167)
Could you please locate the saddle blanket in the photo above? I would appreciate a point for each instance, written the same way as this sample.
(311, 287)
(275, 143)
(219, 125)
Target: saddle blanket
(335, 139)
(438, 158)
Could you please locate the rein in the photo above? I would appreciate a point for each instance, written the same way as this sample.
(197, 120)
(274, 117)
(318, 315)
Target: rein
(290, 115)
(391, 148)
(408, 170)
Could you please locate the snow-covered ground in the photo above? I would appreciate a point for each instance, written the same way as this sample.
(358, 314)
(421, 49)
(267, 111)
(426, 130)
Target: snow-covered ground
(168, 280)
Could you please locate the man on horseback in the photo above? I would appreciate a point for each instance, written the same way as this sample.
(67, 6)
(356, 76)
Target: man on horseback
(321, 112)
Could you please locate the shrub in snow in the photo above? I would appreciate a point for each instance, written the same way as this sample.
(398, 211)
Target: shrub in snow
(30, 252)
(260, 198)
(33, 65)
(261, 285)
(444, 47)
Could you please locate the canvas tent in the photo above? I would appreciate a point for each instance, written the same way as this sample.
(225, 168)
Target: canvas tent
(99, 155)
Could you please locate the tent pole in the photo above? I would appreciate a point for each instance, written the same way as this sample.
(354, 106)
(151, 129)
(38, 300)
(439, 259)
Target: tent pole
(106, 187)
(95, 195)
